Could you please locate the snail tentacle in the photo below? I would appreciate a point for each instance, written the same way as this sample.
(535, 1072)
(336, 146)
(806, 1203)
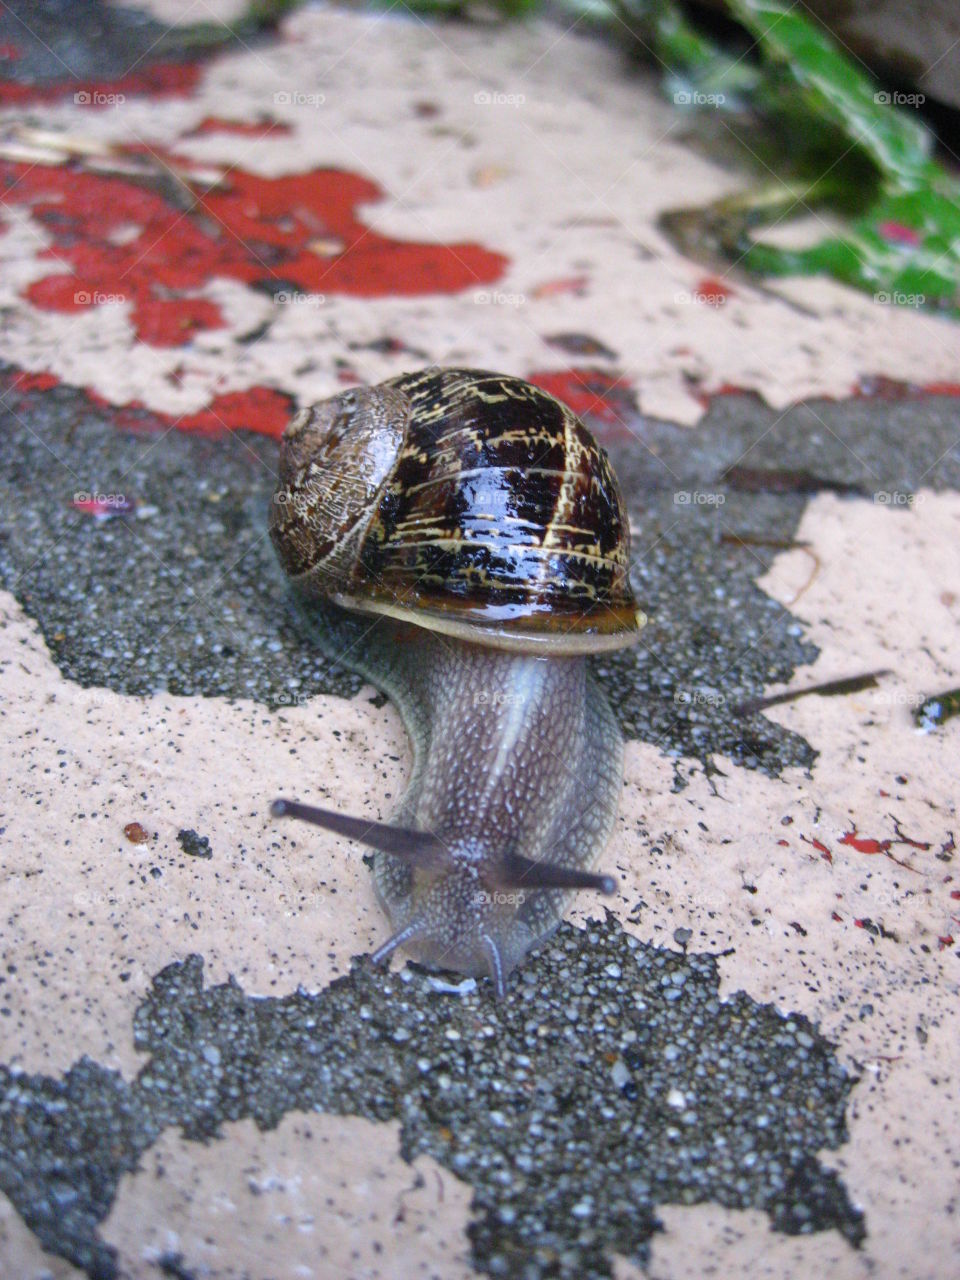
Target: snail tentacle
(418, 848)
(497, 976)
(398, 939)
(518, 872)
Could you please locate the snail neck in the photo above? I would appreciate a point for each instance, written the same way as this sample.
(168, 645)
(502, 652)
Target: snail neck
(504, 729)
(448, 690)
(497, 736)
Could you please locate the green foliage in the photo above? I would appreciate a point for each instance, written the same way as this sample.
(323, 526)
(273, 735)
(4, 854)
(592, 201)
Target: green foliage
(906, 241)
(833, 139)
(829, 137)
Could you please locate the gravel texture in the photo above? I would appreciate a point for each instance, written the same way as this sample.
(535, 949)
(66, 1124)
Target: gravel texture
(613, 1080)
(183, 591)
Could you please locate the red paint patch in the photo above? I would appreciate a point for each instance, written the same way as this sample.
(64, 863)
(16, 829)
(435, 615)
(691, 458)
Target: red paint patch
(569, 284)
(283, 216)
(34, 381)
(243, 128)
(864, 844)
(170, 322)
(941, 388)
(260, 409)
(256, 409)
(711, 292)
(103, 506)
(273, 232)
(878, 387)
(704, 396)
(731, 389)
(162, 80)
(594, 392)
(820, 847)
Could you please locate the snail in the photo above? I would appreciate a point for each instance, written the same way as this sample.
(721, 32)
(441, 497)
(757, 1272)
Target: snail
(461, 539)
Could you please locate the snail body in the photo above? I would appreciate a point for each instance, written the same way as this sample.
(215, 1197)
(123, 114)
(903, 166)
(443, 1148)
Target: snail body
(461, 538)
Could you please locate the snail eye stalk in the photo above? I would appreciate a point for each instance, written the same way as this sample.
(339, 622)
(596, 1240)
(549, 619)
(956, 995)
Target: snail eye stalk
(517, 872)
(417, 848)
(386, 950)
(422, 849)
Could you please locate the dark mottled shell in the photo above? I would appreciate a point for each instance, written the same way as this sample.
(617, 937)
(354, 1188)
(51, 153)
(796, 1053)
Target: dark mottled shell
(500, 517)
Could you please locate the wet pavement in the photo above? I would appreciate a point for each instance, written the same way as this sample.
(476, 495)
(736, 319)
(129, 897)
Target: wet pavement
(765, 1020)
(182, 592)
(613, 1080)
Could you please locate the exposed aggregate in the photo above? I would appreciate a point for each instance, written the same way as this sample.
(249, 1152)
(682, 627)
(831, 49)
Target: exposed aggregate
(184, 592)
(611, 1080)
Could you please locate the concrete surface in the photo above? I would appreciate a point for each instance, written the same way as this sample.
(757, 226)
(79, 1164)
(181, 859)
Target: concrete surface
(749, 1065)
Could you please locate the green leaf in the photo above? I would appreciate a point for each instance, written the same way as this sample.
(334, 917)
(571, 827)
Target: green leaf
(907, 241)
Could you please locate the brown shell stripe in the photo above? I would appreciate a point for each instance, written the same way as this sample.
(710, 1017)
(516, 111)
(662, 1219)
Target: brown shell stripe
(499, 493)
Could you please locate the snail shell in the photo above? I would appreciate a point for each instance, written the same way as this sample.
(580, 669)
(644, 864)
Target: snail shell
(480, 522)
(469, 503)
